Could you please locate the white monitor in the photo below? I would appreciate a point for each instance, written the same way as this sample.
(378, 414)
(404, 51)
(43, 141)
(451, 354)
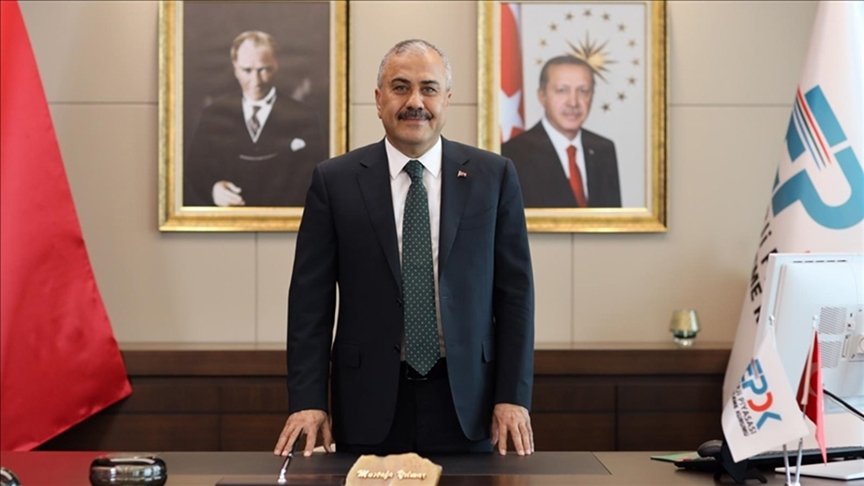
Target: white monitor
(827, 291)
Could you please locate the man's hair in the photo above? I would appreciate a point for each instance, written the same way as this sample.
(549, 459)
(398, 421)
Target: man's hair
(416, 46)
(563, 60)
(257, 37)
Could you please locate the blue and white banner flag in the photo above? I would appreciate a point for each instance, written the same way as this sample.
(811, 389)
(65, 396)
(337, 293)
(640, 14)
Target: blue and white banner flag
(817, 199)
(762, 413)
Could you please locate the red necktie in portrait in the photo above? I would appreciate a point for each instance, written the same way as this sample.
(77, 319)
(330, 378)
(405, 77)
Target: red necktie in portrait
(576, 178)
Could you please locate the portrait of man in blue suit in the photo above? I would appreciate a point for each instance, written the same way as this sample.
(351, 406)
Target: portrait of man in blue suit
(561, 164)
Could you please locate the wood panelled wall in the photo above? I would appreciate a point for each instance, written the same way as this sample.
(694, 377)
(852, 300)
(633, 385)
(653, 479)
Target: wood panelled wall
(651, 397)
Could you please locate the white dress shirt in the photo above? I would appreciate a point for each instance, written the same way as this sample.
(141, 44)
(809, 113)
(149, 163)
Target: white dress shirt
(265, 106)
(400, 181)
(560, 142)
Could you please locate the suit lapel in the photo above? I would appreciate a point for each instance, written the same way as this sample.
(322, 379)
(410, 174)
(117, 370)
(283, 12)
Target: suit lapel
(455, 185)
(555, 183)
(374, 180)
(592, 171)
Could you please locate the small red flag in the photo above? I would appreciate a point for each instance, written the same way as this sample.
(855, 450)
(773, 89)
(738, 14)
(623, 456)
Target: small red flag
(59, 362)
(810, 395)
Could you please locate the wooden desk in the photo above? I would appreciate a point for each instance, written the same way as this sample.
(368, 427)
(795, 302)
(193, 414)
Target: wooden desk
(587, 397)
(208, 468)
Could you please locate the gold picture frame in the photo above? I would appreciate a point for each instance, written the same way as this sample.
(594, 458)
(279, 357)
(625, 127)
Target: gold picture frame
(627, 37)
(196, 75)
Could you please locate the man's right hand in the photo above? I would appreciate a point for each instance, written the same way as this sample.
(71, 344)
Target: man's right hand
(225, 193)
(309, 423)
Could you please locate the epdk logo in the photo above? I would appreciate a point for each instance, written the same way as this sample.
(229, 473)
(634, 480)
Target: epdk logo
(753, 400)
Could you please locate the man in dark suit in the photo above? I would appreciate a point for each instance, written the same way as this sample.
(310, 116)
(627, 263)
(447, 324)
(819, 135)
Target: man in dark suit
(358, 230)
(254, 150)
(560, 164)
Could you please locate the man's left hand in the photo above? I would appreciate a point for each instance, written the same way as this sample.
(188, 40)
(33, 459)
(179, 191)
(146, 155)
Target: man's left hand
(513, 421)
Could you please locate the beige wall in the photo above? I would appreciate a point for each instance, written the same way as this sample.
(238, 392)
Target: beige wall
(733, 68)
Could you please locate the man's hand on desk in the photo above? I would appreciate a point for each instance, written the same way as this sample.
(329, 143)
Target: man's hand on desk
(309, 423)
(515, 422)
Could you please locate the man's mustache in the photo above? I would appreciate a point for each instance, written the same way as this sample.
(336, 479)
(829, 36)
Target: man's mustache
(414, 114)
(571, 112)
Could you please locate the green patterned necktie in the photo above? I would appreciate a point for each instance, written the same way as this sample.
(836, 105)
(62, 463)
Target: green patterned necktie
(418, 276)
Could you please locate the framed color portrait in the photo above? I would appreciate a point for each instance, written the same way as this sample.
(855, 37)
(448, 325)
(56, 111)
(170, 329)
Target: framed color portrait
(575, 94)
(252, 94)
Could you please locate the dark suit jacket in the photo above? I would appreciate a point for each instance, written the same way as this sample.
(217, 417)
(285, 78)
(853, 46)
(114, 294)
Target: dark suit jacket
(270, 172)
(543, 181)
(348, 238)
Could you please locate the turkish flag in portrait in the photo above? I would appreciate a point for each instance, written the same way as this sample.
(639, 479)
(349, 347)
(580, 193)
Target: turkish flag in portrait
(512, 104)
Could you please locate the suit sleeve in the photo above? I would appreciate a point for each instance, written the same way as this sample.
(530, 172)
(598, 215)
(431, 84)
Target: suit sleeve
(198, 176)
(513, 297)
(311, 302)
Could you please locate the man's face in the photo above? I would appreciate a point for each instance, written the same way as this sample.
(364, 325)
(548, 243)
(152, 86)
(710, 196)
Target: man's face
(254, 68)
(412, 101)
(567, 97)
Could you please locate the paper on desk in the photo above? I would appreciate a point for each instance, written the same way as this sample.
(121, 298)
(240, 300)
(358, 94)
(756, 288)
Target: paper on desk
(676, 456)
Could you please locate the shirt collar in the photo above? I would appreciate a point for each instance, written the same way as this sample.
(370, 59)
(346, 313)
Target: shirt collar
(431, 160)
(558, 139)
(267, 100)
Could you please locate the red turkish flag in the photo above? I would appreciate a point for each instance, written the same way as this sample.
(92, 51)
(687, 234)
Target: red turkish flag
(59, 362)
(512, 94)
(810, 395)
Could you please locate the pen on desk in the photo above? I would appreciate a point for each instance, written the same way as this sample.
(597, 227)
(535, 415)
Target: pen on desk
(287, 462)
